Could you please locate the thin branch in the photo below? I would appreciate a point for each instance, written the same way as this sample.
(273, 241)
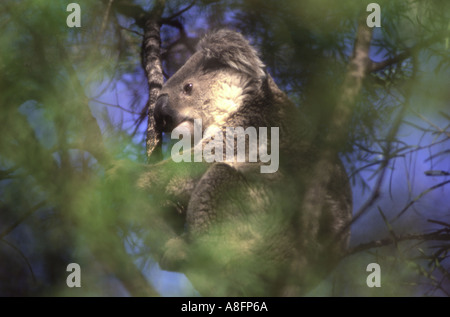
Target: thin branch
(442, 223)
(178, 13)
(389, 227)
(105, 19)
(432, 124)
(417, 198)
(30, 268)
(184, 39)
(376, 191)
(409, 52)
(356, 171)
(377, 66)
(112, 105)
(442, 113)
(428, 146)
(131, 10)
(372, 198)
(21, 219)
(440, 235)
(140, 119)
(436, 173)
(130, 30)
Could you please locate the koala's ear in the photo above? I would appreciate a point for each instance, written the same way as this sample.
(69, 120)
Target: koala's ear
(233, 50)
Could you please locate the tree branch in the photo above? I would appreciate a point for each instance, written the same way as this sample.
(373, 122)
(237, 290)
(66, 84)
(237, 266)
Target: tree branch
(417, 198)
(114, 106)
(436, 173)
(112, 255)
(174, 16)
(105, 19)
(21, 219)
(183, 36)
(130, 30)
(12, 246)
(377, 66)
(338, 128)
(409, 52)
(440, 235)
(151, 62)
(130, 10)
(442, 223)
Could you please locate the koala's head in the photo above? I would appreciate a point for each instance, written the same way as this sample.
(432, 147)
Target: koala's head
(215, 83)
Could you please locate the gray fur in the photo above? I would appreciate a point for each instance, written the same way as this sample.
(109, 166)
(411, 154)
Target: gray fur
(232, 49)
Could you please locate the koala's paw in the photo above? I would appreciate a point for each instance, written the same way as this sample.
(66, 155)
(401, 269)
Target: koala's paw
(175, 255)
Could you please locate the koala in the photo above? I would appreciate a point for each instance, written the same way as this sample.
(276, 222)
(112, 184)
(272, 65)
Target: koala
(233, 230)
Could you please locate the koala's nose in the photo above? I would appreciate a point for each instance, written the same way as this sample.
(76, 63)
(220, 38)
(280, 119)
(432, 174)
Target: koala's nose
(164, 115)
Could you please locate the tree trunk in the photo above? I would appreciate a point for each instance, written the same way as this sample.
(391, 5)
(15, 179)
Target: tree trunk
(151, 62)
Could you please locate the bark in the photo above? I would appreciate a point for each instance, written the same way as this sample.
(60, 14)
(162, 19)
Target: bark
(151, 62)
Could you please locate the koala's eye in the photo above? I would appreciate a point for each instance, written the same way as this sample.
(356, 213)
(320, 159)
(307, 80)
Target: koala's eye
(188, 88)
